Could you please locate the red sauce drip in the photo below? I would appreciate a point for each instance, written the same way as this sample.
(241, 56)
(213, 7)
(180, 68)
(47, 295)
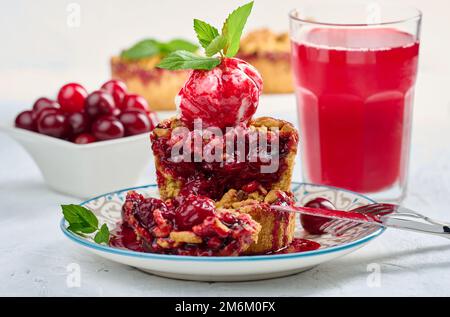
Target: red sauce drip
(123, 237)
(299, 245)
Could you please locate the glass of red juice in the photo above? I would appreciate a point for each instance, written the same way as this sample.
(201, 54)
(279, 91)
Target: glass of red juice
(355, 67)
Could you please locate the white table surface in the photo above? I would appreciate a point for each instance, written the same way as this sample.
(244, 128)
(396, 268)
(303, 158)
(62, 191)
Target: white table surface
(35, 255)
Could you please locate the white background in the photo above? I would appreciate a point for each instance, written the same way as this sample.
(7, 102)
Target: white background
(39, 52)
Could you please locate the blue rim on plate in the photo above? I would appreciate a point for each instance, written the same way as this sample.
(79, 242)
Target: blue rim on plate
(104, 248)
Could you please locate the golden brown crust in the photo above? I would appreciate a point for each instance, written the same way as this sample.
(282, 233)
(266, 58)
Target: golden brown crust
(158, 86)
(269, 53)
(264, 41)
(277, 228)
(276, 73)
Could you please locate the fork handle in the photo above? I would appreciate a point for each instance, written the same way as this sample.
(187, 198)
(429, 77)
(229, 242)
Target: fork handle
(409, 220)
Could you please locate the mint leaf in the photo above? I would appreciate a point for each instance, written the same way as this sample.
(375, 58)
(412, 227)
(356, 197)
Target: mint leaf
(144, 48)
(80, 228)
(233, 27)
(150, 47)
(76, 214)
(205, 32)
(178, 44)
(216, 45)
(70, 214)
(83, 221)
(102, 235)
(188, 60)
(87, 216)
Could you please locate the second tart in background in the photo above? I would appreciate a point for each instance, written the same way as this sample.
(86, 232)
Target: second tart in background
(269, 53)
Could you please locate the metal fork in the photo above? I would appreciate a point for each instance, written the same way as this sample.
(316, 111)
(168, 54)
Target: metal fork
(392, 216)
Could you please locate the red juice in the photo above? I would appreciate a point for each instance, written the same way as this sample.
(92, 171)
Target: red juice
(354, 92)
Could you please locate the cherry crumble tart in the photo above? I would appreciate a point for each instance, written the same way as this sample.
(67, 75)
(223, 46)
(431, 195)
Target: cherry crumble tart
(188, 225)
(213, 179)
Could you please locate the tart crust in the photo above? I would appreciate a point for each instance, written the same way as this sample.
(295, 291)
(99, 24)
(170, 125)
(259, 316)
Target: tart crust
(269, 53)
(277, 228)
(158, 86)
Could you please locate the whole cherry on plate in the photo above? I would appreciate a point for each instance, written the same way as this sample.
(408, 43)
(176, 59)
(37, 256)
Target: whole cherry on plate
(25, 120)
(314, 224)
(107, 128)
(223, 96)
(117, 89)
(135, 121)
(71, 97)
(79, 122)
(99, 103)
(43, 103)
(133, 101)
(84, 138)
(54, 124)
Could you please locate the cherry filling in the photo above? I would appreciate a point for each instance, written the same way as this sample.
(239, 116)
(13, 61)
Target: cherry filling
(184, 226)
(215, 174)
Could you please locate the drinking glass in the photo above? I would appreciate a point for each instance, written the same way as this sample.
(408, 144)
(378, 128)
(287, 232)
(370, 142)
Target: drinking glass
(355, 66)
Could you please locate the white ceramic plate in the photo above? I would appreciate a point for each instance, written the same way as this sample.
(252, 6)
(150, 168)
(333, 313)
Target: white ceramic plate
(243, 268)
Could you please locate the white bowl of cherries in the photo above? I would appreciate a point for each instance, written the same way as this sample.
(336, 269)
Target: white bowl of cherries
(87, 144)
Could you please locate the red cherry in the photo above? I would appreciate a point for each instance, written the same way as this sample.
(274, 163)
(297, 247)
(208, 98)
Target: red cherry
(117, 89)
(54, 124)
(25, 120)
(79, 122)
(71, 97)
(135, 122)
(45, 112)
(313, 224)
(145, 211)
(222, 97)
(84, 138)
(43, 103)
(193, 211)
(107, 128)
(133, 101)
(99, 103)
(153, 118)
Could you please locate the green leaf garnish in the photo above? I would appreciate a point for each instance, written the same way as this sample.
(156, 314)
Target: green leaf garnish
(216, 45)
(141, 49)
(233, 27)
(188, 60)
(83, 221)
(151, 47)
(225, 44)
(205, 32)
(102, 235)
(178, 44)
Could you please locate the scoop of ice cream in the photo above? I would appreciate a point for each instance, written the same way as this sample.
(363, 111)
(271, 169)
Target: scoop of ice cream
(222, 97)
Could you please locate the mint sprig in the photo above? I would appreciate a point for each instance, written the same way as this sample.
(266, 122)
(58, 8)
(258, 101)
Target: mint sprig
(225, 44)
(83, 221)
(205, 32)
(216, 45)
(188, 60)
(233, 27)
(151, 47)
